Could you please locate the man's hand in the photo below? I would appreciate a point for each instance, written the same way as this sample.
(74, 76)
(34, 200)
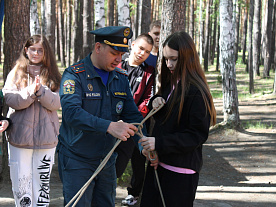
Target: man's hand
(122, 130)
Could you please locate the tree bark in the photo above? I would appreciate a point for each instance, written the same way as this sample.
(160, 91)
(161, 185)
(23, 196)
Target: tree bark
(207, 35)
(267, 39)
(250, 48)
(43, 17)
(124, 14)
(227, 65)
(87, 27)
(237, 29)
(146, 8)
(191, 17)
(34, 21)
(99, 14)
(244, 35)
(17, 21)
(214, 44)
(61, 33)
(50, 9)
(68, 36)
(110, 11)
(256, 37)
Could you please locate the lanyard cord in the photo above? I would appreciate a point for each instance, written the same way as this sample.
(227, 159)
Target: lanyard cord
(79, 194)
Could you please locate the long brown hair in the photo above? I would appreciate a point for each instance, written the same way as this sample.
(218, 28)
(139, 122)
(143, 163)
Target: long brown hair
(188, 71)
(49, 74)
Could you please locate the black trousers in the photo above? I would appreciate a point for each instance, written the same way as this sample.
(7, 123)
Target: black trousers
(178, 189)
(128, 150)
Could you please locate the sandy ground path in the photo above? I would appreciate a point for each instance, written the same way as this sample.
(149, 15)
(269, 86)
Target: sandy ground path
(239, 166)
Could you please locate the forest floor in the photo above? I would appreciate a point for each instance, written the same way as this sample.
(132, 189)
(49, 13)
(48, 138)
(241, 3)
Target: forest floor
(239, 167)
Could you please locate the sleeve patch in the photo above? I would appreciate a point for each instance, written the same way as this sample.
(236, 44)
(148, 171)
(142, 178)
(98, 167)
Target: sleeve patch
(69, 87)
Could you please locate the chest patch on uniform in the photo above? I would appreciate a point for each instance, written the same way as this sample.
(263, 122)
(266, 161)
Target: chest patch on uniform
(90, 87)
(69, 87)
(92, 95)
(122, 94)
(119, 107)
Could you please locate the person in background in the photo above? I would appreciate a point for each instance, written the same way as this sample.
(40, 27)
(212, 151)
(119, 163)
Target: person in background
(141, 78)
(95, 96)
(181, 126)
(154, 32)
(31, 92)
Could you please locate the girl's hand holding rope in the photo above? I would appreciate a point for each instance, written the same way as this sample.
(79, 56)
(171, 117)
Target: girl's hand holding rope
(148, 155)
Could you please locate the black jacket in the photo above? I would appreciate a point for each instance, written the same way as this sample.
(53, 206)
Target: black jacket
(180, 145)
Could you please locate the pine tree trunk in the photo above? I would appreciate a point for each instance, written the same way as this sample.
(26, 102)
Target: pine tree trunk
(68, 36)
(250, 48)
(267, 39)
(61, 33)
(43, 17)
(207, 35)
(256, 37)
(110, 11)
(50, 9)
(213, 49)
(274, 37)
(191, 17)
(146, 8)
(237, 30)
(16, 21)
(87, 27)
(218, 50)
(227, 64)
(200, 32)
(244, 35)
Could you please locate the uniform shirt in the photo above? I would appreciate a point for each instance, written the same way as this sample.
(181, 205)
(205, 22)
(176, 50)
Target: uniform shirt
(89, 106)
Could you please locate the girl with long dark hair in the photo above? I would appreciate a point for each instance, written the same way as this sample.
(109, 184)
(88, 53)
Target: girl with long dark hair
(181, 126)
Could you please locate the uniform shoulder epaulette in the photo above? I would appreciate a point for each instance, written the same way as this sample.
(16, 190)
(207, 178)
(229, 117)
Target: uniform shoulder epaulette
(78, 68)
(122, 71)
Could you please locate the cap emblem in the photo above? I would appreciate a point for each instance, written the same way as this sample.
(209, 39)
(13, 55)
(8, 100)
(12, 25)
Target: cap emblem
(126, 32)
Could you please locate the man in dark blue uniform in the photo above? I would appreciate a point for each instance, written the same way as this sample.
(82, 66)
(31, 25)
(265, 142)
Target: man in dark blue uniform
(95, 95)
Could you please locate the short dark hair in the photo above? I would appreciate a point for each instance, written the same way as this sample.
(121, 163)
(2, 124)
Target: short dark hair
(155, 23)
(146, 37)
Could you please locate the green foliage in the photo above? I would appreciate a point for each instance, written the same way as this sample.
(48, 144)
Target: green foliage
(132, 8)
(257, 124)
(124, 180)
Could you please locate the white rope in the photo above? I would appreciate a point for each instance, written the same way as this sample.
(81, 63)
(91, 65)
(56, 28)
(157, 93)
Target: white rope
(79, 194)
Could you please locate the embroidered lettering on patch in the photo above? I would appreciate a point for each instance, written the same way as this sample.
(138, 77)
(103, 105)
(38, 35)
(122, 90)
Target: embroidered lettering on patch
(120, 93)
(119, 107)
(69, 87)
(91, 95)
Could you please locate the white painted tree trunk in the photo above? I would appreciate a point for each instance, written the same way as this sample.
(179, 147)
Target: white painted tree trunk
(227, 64)
(123, 13)
(34, 21)
(99, 14)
